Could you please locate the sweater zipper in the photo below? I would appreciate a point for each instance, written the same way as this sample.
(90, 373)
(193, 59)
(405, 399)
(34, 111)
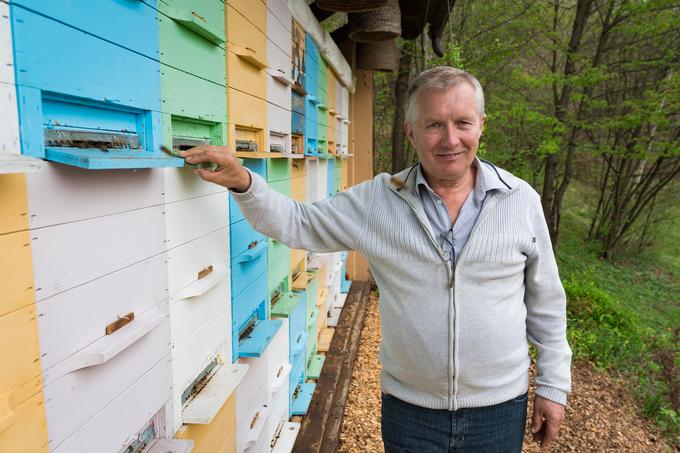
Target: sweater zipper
(482, 215)
(451, 268)
(450, 274)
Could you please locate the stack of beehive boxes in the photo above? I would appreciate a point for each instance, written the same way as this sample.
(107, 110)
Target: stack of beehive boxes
(22, 412)
(99, 253)
(140, 310)
(193, 88)
(342, 122)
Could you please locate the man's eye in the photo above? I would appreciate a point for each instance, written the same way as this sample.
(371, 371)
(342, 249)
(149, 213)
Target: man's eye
(434, 125)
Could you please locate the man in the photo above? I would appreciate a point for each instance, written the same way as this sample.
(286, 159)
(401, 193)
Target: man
(462, 256)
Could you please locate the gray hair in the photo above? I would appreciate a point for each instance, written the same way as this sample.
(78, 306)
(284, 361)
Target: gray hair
(440, 78)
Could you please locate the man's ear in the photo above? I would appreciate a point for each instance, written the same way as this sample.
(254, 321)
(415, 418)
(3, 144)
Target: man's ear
(408, 128)
(482, 122)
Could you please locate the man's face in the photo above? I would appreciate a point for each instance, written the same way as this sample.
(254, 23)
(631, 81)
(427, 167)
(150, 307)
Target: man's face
(446, 132)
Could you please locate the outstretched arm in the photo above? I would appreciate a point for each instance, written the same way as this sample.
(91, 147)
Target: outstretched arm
(322, 226)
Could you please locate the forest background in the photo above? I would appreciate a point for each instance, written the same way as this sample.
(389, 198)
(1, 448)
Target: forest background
(583, 102)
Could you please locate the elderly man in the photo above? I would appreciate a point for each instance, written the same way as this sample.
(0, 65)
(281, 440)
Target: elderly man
(461, 253)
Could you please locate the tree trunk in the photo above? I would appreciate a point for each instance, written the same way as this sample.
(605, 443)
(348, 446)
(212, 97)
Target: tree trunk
(553, 192)
(400, 89)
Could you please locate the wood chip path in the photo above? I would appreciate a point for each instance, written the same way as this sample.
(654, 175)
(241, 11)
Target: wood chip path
(601, 415)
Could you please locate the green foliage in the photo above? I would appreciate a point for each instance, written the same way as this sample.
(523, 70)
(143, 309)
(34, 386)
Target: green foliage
(452, 57)
(622, 314)
(599, 329)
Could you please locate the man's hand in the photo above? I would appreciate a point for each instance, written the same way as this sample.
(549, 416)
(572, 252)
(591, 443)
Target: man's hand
(229, 172)
(546, 421)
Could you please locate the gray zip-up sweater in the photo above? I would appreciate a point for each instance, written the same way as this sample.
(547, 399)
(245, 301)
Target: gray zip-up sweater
(452, 337)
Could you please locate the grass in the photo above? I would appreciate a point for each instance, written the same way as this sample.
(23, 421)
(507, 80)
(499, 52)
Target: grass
(624, 315)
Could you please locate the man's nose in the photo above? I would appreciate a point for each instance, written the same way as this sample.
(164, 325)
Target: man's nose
(450, 136)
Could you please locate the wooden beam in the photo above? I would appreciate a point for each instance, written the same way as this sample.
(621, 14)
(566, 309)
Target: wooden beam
(320, 430)
(361, 145)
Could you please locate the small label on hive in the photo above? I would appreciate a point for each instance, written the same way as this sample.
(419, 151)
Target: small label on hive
(252, 423)
(205, 272)
(120, 323)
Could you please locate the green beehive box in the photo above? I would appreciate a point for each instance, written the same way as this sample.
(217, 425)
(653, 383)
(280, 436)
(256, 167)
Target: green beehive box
(315, 365)
(323, 75)
(278, 270)
(278, 169)
(281, 186)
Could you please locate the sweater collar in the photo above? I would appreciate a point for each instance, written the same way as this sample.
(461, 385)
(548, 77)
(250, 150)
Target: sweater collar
(406, 181)
(486, 180)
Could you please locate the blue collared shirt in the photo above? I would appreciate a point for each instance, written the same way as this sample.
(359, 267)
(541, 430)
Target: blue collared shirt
(453, 237)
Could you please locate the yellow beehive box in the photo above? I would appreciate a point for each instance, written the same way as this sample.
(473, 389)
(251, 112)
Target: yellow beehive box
(217, 436)
(344, 175)
(298, 188)
(24, 427)
(16, 272)
(298, 262)
(298, 169)
(13, 204)
(22, 411)
(254, 10)
(246, 51)
(247, 122)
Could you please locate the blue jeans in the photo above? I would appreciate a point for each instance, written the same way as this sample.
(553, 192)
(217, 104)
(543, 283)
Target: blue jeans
(413, 429)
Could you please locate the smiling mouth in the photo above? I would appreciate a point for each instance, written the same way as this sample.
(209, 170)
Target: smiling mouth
(450, 155)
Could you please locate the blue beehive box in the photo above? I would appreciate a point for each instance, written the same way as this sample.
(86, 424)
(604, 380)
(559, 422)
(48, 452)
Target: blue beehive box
(248, 266)
(88, 89)
(251, 330)
(298, 113)
(311, 100)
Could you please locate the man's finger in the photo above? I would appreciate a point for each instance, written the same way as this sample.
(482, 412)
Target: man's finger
(550, 434)
(200, 149)
(207, 175)
(207, 152)
(222, 160)
(536, 421)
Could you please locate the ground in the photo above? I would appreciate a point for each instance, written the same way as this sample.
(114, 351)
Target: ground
(601, 416)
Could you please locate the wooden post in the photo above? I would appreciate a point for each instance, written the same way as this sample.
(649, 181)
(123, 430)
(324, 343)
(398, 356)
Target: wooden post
(361, 145)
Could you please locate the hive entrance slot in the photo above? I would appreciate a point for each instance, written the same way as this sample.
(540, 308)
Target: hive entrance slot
(277, 434)
(143, 440)
(276, 299)
(201, 381)
(184, 143)
(246, 145)
(276, 296)
(103, 140)
(248, 329)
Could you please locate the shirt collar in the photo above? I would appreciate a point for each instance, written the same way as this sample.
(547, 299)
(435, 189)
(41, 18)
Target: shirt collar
(486, 181)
